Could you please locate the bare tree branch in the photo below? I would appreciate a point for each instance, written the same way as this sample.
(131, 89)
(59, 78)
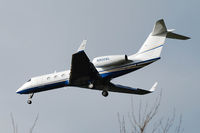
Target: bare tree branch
(144, 119)
(122, 124)
(178, 128)
(15, 127)
(34, 124)
(13, 123)
(141, 118)
(119, 121)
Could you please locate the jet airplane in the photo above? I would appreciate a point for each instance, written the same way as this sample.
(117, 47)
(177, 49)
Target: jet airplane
(97, 75)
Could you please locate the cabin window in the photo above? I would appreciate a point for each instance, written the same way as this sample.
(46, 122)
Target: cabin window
(29, 80)
(48, 78)
(55, 76)
(62, 75)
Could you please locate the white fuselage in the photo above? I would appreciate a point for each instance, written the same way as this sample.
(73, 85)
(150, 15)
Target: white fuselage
(61, 79)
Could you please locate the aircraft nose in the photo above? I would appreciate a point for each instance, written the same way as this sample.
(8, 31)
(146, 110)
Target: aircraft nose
(23, 89)
(18, 91)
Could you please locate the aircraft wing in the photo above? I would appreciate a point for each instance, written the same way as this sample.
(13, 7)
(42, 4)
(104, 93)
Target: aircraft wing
(82, 70)
(125, 89)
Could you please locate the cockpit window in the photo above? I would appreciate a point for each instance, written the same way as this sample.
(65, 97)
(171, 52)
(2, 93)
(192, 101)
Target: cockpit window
(29, 80)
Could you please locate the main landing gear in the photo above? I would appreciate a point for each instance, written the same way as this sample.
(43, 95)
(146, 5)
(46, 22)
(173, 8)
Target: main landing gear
(29, 99)
(91, 85)
(105, 93)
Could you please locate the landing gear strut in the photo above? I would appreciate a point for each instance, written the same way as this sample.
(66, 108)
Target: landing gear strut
(29, 99)
(105, 93)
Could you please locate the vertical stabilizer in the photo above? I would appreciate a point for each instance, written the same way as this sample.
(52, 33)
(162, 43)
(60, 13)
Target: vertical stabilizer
(152, 47)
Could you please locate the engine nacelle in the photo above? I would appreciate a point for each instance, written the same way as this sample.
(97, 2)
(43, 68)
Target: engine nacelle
(110, 60)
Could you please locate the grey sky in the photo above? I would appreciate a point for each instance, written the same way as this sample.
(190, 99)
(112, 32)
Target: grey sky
(39, 36)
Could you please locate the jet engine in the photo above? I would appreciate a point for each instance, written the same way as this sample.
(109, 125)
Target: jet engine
(110, 60)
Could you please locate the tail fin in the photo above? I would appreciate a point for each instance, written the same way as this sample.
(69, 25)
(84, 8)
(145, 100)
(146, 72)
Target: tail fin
(152, 47)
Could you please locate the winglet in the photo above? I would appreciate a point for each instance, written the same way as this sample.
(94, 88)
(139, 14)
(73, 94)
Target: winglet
(82, 46)
(153, 87)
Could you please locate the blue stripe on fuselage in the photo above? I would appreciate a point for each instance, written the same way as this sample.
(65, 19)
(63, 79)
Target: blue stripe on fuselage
(151, 49)
(127, 65)
(45, 87)
(118, 73)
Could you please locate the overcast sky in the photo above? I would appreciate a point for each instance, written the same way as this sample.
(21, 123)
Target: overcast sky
(39, 36)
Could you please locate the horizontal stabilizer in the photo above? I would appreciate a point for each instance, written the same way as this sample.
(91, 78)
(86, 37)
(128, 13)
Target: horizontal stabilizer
(160, 29)
(176, 36)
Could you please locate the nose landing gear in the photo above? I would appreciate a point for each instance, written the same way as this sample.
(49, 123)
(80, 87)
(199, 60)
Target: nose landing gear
(29, 99)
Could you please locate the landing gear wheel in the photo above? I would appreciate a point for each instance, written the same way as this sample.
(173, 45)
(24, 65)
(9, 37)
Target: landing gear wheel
(29, 101)
(30, 97)
(90, 85)
(105, 93)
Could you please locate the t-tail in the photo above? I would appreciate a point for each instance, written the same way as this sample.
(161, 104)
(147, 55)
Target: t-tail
(152, 47)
